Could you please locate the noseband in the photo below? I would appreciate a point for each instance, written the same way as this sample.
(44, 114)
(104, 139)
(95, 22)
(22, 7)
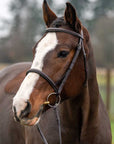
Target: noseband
(58, 90)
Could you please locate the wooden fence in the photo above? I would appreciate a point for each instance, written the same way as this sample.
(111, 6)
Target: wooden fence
(105, 79)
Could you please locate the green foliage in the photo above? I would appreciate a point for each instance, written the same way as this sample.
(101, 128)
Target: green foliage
(112, 128)
(102, 81)
(101, 77)
(26, 25)
(103, 42)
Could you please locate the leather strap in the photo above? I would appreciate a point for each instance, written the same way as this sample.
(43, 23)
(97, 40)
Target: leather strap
(52, 84)
(64, 31)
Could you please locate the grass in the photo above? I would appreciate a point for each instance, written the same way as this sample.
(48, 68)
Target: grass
(112, 128)
(101, 77)
(102, 81)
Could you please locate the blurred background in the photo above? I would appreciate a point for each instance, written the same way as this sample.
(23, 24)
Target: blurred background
(21, 25)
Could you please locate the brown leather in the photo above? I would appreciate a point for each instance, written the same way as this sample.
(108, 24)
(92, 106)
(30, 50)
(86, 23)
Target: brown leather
(64, 31)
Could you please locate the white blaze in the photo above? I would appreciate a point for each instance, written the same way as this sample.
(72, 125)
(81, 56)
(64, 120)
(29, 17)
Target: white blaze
(47, 44)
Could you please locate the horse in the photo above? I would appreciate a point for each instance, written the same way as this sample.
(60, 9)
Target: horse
(62, 75)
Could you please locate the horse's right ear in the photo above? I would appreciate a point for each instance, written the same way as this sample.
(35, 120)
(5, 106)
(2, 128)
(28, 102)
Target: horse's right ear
(48, 14)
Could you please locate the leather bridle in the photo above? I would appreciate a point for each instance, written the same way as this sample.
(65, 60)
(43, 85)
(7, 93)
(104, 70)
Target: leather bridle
(79, 47)
(58, 90)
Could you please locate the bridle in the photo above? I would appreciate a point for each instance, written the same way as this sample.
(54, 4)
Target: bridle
(58, 90)
(79, 47)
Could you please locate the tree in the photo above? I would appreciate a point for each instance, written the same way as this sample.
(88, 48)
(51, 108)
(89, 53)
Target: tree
(26, 25)
(103, 6)
(103, 41)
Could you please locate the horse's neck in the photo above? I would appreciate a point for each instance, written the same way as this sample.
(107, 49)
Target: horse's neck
(71, 121)
(81, 113)
(93, 90)
(84, 104)
(70, 112)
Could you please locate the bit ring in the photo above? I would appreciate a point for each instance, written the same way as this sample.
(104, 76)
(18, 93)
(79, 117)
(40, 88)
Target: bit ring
(58, 100)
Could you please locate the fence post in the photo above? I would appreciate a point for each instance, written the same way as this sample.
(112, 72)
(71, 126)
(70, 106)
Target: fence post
(108, 77)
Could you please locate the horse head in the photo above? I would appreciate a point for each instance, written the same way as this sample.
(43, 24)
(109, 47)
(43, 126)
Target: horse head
(53, 55)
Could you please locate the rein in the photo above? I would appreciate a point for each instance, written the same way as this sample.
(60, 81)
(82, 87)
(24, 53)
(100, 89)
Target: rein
(58, 90)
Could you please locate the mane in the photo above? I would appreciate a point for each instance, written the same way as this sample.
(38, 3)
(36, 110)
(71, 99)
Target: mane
(59, 22)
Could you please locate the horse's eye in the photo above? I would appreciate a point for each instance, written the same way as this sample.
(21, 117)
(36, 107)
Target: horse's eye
(62, 54)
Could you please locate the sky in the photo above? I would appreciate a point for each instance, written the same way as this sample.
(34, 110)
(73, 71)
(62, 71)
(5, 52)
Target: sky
(4, 15)
(4, 12)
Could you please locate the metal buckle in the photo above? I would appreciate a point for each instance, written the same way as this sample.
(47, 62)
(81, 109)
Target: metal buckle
(57, 101)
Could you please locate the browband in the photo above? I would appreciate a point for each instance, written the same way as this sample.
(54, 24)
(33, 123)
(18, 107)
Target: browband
(64, 31)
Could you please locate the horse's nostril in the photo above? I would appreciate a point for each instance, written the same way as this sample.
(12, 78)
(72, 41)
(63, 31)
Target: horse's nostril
(26, 111)
(15, 114)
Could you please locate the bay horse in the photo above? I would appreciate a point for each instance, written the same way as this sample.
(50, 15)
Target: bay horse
(27, 90)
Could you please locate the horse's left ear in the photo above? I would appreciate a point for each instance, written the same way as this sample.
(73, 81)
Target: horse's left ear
(71, 17)
(48, 14)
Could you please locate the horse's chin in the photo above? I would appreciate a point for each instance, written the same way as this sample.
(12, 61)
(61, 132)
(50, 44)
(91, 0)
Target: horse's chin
(30, 122)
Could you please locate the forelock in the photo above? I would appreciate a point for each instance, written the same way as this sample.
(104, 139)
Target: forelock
(58, 22)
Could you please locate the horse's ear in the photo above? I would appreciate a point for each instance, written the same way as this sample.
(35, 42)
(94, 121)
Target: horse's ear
(48, 14)
(71, 17)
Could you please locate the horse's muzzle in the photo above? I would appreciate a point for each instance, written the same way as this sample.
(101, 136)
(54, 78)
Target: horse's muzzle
(24, 113)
